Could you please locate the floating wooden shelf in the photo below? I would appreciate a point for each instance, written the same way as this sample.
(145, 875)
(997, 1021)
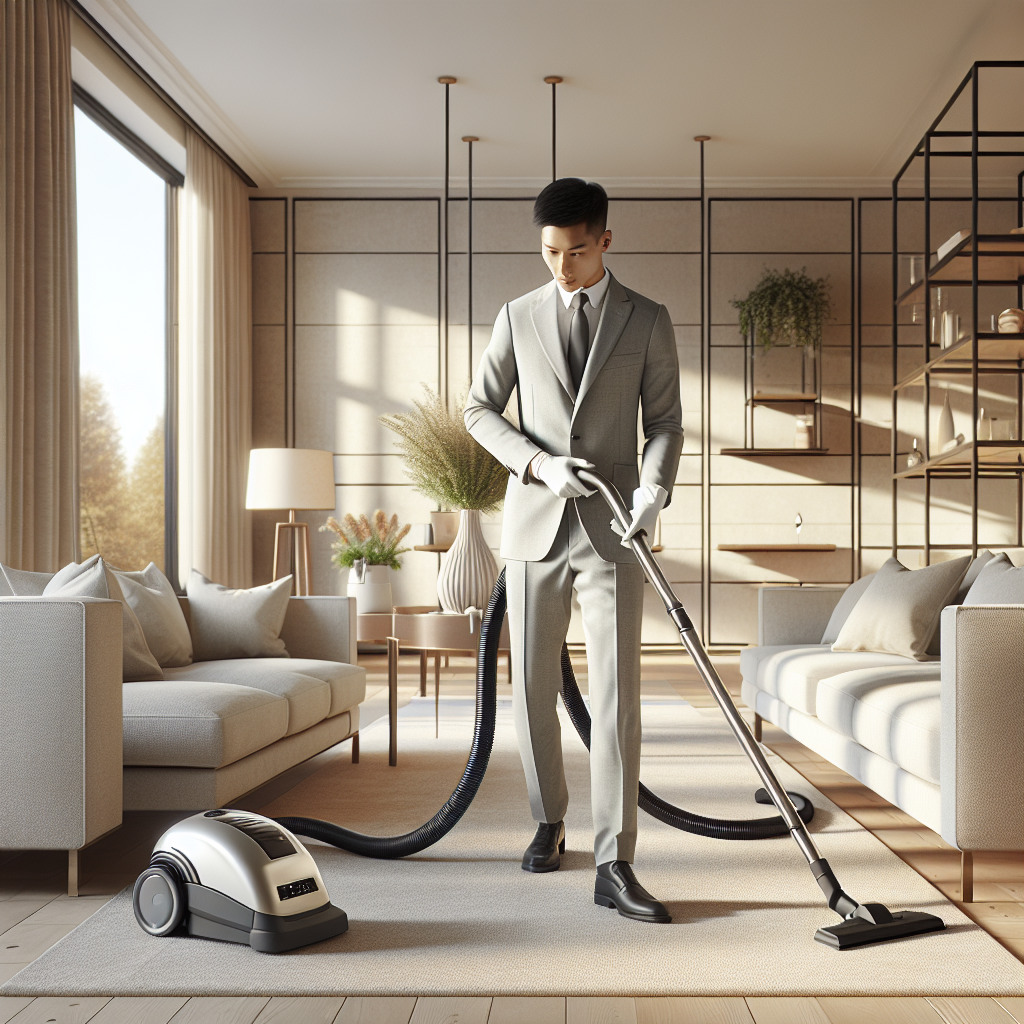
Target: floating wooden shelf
(1000, 261)
(780, 397)
(996, 353)
(772, 452)
(999, 457)
(747, 548)
(437, 548)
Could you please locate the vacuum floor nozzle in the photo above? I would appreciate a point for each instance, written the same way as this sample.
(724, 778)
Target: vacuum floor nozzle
(858, 932)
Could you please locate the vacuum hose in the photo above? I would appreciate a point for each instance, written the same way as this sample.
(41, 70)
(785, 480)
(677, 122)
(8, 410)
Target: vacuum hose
(391, 847)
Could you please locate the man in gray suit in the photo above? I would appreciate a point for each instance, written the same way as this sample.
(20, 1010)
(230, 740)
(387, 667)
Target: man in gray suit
(586, 354)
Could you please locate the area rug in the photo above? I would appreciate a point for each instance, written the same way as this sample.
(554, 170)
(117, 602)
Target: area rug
(463, 918)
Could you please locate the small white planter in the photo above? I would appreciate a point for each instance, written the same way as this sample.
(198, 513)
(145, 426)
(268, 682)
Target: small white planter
(468, 570)
(370, 585)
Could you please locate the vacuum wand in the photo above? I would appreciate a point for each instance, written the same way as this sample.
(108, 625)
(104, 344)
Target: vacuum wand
(863, 922)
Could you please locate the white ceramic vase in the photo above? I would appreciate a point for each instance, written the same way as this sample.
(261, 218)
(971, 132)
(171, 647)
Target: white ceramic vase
(370, 585)
(468, 570)
(946, 431)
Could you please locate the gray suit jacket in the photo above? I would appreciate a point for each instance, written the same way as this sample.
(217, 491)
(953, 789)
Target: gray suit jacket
(632, 360)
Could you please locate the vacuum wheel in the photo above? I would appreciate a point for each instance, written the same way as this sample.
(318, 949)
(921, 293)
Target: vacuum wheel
(159, 901)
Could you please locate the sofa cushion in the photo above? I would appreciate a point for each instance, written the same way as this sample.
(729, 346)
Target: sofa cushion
(851, 595)
(894, 712)
(347, 682)
(198, 724)
(309, 698)
(237, 623)
(899, 612)
(792, 672)
(999, 582)
(152, 598)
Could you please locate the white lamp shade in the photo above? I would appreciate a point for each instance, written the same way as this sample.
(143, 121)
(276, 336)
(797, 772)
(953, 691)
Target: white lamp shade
(290, 478)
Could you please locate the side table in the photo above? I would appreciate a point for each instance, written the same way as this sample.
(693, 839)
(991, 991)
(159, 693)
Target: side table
(424, 633)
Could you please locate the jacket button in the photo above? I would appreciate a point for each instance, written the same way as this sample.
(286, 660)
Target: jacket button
(575, 437)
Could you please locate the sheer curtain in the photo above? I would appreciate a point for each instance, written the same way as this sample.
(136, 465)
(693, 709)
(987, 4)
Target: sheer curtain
(38, 300)
(214, 369)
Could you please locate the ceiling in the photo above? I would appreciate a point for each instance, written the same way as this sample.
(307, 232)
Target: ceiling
(344, 93)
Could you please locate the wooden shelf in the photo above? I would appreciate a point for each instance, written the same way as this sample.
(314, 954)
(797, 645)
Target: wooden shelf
(781, 397)
(998, 456)
(1000, 261)
(752, 453)
(996, 352)
(747, 548)
(437, 548)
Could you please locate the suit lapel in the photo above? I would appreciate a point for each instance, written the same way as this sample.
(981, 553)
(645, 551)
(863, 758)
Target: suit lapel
(617, 308)
(545, 322)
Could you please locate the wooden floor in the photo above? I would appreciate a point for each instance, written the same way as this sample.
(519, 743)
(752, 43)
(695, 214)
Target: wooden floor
(35, 911)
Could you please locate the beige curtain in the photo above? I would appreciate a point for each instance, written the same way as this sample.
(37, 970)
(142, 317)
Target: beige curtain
(38, 303)
(214, 369)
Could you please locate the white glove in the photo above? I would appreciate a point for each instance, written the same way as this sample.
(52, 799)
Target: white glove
(557, 471)
(648, 502)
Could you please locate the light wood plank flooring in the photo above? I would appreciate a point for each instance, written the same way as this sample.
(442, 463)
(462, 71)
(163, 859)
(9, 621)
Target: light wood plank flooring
(35, 911)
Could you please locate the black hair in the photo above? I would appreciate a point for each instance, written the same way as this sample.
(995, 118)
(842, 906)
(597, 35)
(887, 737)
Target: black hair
(569, 201)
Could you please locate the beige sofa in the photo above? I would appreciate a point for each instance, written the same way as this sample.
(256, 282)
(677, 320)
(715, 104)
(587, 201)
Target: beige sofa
(79, 745)
(940, 739)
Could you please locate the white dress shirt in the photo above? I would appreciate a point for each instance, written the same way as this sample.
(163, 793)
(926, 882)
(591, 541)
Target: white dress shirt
(595, 295)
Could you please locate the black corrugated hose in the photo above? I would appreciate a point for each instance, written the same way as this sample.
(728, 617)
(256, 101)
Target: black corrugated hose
(391, 847)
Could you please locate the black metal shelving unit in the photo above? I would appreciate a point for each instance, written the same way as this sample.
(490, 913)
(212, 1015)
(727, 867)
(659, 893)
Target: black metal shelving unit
(976, 261)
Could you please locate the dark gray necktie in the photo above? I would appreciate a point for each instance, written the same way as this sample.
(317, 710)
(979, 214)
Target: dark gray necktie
(579, 339)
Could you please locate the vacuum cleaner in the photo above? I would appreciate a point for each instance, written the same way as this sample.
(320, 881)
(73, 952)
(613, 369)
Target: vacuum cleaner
(205, 858)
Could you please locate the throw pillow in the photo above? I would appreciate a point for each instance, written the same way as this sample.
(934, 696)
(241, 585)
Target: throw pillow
(237, 623)
(94, 579)
(18, 583)
(999, 582)
(152, 598)
(899, 611)
(984, 557)
(851, 595)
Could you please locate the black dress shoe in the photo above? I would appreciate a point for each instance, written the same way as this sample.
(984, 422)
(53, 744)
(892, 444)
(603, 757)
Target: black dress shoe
(548, 843)
(617, 887)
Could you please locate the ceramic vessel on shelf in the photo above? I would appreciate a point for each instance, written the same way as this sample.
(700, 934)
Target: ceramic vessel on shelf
(804, 432)
(1011, 321)
(445, 526)
(950, 328)
(915, 457)
(468, 570)
(946, 430)
(370, 585)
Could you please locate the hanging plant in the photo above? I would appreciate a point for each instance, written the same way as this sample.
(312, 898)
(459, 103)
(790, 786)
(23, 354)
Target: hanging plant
(786, 308)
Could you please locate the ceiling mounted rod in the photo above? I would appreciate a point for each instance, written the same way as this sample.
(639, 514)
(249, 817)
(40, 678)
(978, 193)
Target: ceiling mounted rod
(554, 81)
(442, 356)
(470, 139)
(705, 343)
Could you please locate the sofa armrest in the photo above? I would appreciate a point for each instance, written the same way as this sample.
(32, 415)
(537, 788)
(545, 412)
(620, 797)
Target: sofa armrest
(323, 628)
(60, 705)
(981, 770)
(794, 615)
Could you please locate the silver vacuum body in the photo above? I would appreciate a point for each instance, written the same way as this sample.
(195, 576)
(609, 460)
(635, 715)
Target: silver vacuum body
(237, 877)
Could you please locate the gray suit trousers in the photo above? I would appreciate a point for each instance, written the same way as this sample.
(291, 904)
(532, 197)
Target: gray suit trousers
(539, 606)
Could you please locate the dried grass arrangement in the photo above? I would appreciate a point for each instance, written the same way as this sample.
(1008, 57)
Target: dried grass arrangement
(443, 460)
(375, 540)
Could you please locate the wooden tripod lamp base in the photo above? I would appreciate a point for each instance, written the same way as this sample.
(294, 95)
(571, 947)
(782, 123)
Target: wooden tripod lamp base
(291, 478)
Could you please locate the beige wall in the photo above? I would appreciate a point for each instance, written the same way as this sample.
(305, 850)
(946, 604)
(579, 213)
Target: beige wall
(346, 327)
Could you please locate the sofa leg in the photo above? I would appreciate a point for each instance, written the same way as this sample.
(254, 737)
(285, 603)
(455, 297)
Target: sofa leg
(966, 877)
(355, 747)
(757, 726)
(72, 872)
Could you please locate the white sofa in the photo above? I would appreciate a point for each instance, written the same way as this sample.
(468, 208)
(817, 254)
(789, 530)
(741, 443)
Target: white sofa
(943, 740)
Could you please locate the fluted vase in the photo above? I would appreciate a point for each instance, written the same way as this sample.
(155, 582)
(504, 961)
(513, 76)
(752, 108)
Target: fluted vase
(468, 570)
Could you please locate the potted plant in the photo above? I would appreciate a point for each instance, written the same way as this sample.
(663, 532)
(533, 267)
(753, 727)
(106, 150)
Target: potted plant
(368, 549)
(786, 308)
(448, 466)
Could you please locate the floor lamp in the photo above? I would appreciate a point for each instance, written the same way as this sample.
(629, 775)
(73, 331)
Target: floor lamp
(291, 478)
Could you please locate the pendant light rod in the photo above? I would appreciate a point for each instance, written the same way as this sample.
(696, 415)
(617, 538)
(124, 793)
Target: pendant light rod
(470, 139)
(442, 356)
(554, 81)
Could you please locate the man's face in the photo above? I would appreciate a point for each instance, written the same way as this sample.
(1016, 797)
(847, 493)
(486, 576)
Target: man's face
(574, 255)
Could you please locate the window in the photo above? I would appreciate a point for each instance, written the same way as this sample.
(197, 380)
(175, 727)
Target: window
(122, 311)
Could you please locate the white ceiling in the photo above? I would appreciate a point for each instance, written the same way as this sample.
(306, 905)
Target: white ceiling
(344, 92)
